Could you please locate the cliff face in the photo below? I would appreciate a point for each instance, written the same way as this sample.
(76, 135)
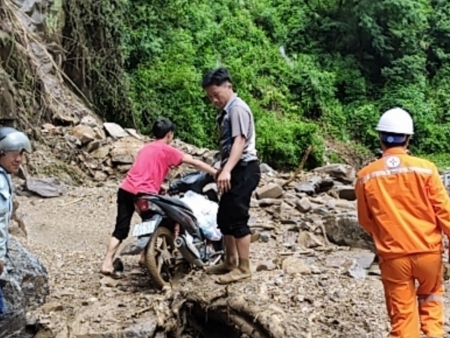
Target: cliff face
(34, 86)
(34, 89)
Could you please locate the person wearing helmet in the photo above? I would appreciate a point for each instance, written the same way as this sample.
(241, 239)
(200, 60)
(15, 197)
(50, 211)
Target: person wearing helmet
(403, 205)
(13, 144)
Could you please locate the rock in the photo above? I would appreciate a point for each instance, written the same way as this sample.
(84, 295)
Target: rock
(293, 265)
(265, 202)
(52, 307)
(265, 168)
(335, 261)
(84, 133)
(109, 282)
(45, 187)
(365, 259)
(123, 168)
(308, 240)
(344, 229)
(353, 269)
(340, 204)
(270, 190)
(92, 146)
(99, 133)
(303, 205)
(28, 271)
(307, 188)
(100, 176)
(48, 127)
(125, 149)
(114, 130)
(341, 172)
(89, 120)
(311, 187)
(14, 321)
(346, 192)
(266, 266)
(325, 185)
(101, 153)
(26, 287)
(264, 237)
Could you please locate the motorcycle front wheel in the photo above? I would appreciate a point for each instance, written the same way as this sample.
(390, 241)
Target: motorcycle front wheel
(164, 262)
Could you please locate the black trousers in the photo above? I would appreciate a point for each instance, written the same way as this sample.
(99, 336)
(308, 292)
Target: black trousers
(125, 211)
(234, 205)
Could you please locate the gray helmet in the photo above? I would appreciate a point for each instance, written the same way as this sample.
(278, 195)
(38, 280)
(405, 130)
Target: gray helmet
(13, 140)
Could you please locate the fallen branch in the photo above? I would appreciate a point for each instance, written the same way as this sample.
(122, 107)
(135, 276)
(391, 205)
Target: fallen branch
(309, 151)
(141, 311)
(72, 202)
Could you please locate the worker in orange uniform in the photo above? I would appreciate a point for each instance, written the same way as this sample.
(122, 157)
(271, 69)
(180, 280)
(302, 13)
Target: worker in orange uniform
(403, 205)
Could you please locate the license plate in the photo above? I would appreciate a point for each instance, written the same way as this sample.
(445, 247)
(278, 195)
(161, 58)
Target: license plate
(144, 228)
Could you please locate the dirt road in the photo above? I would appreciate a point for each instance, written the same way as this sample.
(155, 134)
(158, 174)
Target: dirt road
(69, 235)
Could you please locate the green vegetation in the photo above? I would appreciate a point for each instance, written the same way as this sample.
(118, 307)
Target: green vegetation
(307, 68)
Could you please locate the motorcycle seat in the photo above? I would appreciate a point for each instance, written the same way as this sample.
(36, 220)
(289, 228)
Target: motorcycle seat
(165, 199)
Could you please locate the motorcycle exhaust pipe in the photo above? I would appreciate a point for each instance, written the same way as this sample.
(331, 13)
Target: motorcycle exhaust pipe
(184, 248)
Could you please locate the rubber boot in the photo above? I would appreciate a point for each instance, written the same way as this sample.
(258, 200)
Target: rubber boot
(223, 268)
(240, 273)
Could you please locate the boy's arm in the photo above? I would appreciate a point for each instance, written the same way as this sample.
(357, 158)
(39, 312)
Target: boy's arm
(188, 159)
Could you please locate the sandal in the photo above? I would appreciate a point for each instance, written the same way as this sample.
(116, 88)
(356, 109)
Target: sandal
(113, 274)
(118, 265)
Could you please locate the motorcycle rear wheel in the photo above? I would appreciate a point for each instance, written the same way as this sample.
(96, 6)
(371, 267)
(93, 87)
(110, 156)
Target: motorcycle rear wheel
(161, 262)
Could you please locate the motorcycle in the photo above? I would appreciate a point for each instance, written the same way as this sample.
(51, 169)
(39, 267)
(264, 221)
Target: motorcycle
(170, 234)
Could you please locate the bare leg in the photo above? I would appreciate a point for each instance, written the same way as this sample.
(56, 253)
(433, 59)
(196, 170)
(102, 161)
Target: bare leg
(243, 247)
(230, 258)
(243, 270)
(107, 267)
(231, 252)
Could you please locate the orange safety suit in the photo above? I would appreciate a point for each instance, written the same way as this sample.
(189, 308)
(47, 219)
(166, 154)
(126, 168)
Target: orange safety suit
(403, 205)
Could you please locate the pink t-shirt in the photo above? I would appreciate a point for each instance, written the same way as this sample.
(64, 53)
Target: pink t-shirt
(151, 166)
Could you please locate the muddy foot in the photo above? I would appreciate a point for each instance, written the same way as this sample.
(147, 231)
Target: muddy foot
(236, 275)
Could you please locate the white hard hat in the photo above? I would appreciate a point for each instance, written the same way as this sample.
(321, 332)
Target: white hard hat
(396, 121)
(13, 140)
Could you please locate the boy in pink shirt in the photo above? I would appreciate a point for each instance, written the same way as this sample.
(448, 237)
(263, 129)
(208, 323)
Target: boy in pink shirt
(147, 174)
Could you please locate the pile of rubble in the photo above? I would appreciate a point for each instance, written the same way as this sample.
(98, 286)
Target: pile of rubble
(103, 150)
(317, 207)
(312, 212)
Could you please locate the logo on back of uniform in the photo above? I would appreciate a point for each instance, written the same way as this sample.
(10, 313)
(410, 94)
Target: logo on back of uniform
(392, 162)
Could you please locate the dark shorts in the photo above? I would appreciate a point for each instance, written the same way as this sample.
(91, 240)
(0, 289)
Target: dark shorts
(234, 205)
(125, 211)
(2, 303)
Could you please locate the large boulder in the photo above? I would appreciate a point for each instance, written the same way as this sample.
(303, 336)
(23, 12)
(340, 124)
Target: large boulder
(340, 172)
(25, 288)
(344, 229)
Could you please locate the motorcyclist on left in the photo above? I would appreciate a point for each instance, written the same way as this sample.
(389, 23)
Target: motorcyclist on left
(13, 144)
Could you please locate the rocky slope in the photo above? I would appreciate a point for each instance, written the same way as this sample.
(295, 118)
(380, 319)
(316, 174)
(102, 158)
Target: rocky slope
(315, 273)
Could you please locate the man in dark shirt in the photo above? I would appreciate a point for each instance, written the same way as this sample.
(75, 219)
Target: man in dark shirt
(238, 176)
